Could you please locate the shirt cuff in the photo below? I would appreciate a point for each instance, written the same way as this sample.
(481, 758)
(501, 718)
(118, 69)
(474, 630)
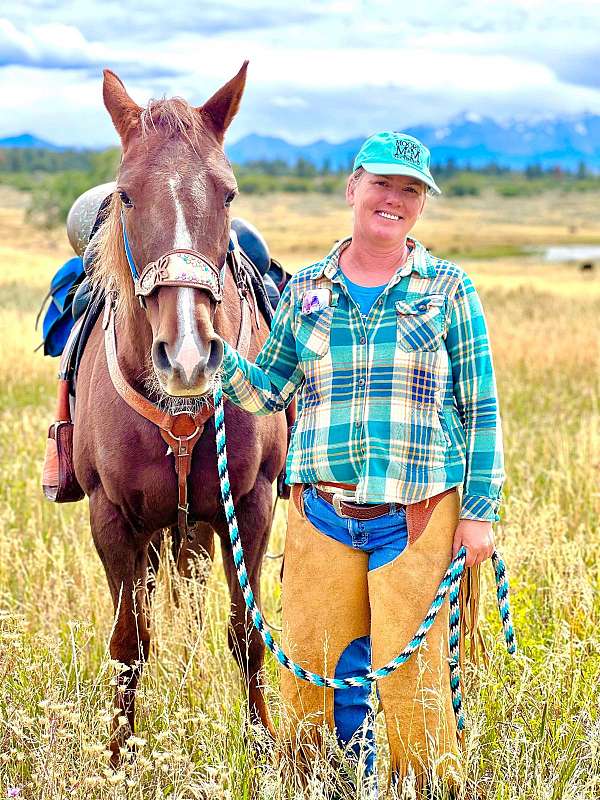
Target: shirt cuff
(478, 507)
(230, 362)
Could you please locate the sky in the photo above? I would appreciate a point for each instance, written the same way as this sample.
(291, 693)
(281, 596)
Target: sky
(332, 69)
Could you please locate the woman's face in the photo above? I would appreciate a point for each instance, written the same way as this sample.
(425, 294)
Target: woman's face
(386, 207)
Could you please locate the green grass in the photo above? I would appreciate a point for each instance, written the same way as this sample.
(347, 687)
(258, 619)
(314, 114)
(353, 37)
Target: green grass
(483, 252)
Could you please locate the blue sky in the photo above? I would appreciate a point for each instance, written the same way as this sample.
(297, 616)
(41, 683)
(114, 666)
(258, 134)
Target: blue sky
(331, 69)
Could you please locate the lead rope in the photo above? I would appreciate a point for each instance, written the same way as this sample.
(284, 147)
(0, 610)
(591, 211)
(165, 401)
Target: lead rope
(450, 582)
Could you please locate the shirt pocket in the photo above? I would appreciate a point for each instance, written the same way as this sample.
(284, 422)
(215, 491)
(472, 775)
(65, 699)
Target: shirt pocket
(313, 333)
(420, 323)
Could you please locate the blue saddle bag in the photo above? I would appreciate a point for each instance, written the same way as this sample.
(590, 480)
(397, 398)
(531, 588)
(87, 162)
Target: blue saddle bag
(58, 319)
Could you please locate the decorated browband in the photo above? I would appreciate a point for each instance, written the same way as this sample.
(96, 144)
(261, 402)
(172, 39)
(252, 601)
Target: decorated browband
(181, 268)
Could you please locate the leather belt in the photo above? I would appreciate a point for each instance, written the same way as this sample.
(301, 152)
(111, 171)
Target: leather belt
(346, 508)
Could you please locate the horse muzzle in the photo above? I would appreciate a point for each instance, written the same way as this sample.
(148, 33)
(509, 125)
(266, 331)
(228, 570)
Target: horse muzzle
(185, 370)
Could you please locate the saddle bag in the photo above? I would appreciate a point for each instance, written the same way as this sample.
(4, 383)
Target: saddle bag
(58, 475)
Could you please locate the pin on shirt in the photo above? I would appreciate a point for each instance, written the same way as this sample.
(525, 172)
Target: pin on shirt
(315, 300)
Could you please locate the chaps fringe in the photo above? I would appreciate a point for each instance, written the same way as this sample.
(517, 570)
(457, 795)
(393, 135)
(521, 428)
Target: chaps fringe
(468, 603)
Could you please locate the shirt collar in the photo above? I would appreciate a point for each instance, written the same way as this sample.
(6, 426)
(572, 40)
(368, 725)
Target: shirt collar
(419, 261)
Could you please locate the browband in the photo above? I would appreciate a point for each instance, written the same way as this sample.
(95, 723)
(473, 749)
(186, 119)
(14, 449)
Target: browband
(181, 268)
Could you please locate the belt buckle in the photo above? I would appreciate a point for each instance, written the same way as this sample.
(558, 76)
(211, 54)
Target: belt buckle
(338, 498)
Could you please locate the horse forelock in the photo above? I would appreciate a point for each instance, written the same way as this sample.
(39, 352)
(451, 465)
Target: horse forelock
(173, 116)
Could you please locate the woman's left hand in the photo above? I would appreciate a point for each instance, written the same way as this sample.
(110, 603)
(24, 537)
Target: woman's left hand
(477, 537)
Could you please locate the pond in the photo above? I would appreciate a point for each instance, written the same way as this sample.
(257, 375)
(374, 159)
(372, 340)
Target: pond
(573, 252)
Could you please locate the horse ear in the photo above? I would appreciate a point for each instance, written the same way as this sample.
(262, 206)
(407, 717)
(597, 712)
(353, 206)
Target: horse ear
(125, 113)
(223, 105)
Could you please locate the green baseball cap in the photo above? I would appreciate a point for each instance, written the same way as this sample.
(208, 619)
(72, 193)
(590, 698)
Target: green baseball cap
(394, 153)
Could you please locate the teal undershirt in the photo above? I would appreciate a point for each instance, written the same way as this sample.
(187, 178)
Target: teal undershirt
(363, 296)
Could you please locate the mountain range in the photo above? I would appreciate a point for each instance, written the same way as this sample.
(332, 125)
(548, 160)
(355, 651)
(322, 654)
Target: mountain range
(468, 139)
(30, 142)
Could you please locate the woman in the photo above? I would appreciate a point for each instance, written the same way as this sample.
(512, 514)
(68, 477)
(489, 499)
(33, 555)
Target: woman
(386, 348)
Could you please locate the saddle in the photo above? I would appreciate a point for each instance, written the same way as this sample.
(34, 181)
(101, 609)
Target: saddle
(72, 315)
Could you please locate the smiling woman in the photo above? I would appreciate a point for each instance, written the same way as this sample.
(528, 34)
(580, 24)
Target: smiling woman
(387, 349)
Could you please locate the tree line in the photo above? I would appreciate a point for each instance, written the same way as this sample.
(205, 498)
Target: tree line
(55, 178)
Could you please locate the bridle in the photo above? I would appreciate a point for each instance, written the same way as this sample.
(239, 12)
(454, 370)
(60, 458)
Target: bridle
(178, 267)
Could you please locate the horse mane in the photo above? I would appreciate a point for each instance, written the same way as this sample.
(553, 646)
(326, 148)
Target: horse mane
(170, 117)
(111, 269)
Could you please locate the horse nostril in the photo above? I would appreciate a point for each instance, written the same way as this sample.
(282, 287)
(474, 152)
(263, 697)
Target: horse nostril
(215, 357)
(160, 356)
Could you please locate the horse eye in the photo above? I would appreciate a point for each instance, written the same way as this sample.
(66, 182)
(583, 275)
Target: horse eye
(125, 199)
(230, 198)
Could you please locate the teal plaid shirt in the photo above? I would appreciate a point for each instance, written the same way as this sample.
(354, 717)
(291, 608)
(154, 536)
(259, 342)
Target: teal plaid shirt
(401, 402)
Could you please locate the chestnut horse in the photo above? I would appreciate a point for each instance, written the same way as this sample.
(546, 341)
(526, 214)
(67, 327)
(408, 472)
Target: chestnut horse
(174, 188)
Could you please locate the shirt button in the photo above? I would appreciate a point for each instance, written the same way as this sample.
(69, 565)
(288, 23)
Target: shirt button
(363, 340)
(361, 382)
(358, 423)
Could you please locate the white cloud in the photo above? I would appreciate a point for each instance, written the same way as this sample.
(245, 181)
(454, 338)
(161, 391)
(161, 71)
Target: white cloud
(55, 46)
(334, 68)
(67, 110)
(288, 102)
(51, 45)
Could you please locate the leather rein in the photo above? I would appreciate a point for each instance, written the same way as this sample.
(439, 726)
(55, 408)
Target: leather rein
(191, 268)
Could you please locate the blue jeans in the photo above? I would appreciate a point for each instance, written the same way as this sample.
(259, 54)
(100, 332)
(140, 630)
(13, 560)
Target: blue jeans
(383, 539)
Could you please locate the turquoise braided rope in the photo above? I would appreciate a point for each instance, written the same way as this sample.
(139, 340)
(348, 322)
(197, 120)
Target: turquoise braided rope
(450, 583)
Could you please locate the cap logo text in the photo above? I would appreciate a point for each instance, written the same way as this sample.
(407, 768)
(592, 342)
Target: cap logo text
(408, 151)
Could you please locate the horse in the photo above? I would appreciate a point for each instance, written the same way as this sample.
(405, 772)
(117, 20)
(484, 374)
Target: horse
(174, 189)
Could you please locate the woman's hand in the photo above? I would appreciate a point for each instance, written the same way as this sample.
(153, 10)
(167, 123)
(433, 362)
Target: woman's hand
(477, 537)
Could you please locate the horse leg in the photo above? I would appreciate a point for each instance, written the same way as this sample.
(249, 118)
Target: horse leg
(125, 559)
(254, 512)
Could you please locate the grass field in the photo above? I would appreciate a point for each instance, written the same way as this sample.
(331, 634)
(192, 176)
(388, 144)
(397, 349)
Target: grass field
(533, 722)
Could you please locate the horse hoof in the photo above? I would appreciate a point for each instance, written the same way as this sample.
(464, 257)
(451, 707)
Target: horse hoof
(115, 757)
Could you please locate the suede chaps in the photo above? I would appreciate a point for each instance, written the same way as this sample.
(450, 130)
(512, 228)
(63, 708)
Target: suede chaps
(329, 599)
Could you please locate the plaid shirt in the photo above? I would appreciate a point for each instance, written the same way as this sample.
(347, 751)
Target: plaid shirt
(401, 402)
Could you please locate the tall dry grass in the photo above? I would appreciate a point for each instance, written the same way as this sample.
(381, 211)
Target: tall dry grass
(533, 721)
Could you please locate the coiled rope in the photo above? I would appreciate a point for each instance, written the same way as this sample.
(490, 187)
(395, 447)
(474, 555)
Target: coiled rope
(450, 583)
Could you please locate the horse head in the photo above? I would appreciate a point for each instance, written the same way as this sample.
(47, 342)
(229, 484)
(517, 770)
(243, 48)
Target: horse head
(166, 239)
